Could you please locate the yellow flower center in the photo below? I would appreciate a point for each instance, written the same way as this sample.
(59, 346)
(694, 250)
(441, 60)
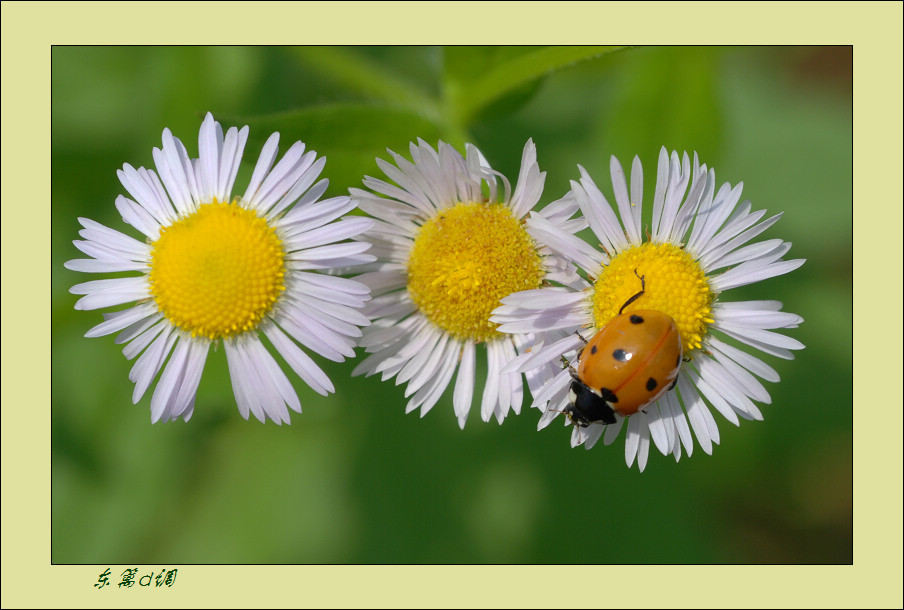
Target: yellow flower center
(218, 271)
(674, 285)
(464, 260)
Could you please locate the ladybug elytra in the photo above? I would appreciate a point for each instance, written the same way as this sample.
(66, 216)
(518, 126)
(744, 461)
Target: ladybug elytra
(629, 364)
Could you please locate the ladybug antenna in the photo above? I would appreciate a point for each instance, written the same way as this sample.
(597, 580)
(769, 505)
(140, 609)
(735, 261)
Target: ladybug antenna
(643, 286)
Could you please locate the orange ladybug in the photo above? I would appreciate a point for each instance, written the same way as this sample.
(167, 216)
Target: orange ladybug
(630, 363)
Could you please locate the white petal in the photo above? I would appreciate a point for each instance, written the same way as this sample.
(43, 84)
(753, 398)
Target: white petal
(232, 158)
(628, 209)
(636, 429)
(85, 265)
(752, 364)
(141, 187)
(138, 217)
(610, 431)
(304, 218)
(547, 321)
(505, 388)
(300, 362)
(148, 364)
(419, 360)
(143, 339)
(514, 395)
(96, 232)
(464, 384)
(657, 425)
(174, 168)
(281, 178)
(747, 334)
(333, 232)
(314, 336)
(327, 252)
(306, 173)
(491, 389)
(209, 139)
(643, 450)
(673, 406)
(741, 377)
(164, 394)
(105, 252)
(427, 396)
(430, 367)
(695, 415)
(751, 272)
(679, 175)
(716, 399)
(599, 214)
(264, 163)
(723, 258)
(700, 182)
(119, 320)
(194, 367)
(662, 181)
(242, 381)
(123, 290)
(712, 214)
(565, 244)
(530, 182)
(541, 299)
(137, 328)
(715, 252)
(274, 375)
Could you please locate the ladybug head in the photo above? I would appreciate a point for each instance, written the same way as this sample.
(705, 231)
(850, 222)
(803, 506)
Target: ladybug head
(586, 407)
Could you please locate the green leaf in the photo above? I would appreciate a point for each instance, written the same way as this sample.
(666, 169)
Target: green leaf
(364, 76)
(477, 76)
(664, 97)
(351, 136)
(466, 64)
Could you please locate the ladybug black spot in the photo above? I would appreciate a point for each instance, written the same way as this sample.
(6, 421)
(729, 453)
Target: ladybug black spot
(635, 319)
(651, 384)
(593, 350)
(620, 355)
(608, 395)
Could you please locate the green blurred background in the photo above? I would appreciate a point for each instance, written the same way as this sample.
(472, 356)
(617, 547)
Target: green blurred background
(354, 479)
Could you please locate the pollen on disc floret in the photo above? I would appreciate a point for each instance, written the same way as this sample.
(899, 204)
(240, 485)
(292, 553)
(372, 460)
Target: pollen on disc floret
(464, 259)
(674, 284)
(217, 272)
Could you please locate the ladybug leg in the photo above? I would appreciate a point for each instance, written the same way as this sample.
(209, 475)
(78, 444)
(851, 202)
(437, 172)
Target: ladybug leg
(571, 369)
(580, 351)
(580, 440)
(566, 364)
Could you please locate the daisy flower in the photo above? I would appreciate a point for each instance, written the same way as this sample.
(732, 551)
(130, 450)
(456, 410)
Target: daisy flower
(215, 269)
(450, 242)
(698, 249)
